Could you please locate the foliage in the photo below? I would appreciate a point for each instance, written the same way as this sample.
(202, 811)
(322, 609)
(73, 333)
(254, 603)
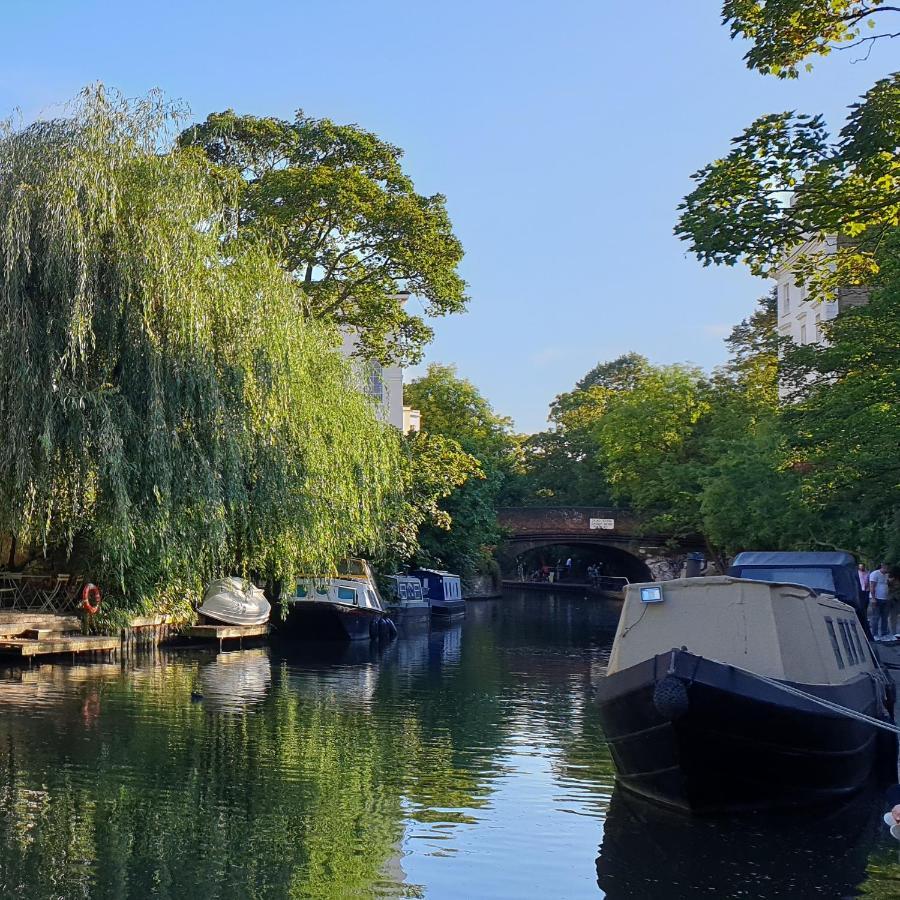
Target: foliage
(785, 32)
(350, 224)
(165, 412)
(844, 419)
(432, 468)
(453, 408)
(786, 189)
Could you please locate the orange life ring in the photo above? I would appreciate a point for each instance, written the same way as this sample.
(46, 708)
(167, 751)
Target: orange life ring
(88, 591)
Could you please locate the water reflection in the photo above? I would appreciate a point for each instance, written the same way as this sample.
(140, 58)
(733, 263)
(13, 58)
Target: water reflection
(234, 680)
(462, 761)
(648, 853)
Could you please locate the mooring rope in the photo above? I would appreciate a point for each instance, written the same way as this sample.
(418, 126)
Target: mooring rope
(828, 704)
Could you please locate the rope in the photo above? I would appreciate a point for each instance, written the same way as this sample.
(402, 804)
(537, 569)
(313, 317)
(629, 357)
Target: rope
(827, 704)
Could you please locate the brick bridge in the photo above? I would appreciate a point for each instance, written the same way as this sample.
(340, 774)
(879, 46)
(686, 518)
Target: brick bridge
(590, 534)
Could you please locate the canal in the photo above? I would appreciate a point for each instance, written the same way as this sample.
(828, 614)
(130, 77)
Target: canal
(463, 762)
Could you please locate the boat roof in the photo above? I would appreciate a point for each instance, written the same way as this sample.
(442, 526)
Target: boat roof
(438, 572)
(800, 558)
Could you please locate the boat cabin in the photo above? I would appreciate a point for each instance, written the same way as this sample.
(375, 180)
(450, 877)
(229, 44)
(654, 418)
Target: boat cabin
(783, 631)
(404, 590)
(439, 587)
(340, 591)
(824, 572)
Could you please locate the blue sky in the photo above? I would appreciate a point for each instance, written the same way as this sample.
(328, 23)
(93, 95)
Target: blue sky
(563, 135)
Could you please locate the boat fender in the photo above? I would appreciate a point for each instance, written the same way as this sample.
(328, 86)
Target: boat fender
(373, 629)
(391, 629)
(670, 697)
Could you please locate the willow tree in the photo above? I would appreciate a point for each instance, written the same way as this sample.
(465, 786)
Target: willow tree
(166, 413)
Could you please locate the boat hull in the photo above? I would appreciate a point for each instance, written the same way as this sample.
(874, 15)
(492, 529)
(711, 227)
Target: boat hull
(234, 601)
(728, 742)
(448, 609)
(314, 620)
(419, 612)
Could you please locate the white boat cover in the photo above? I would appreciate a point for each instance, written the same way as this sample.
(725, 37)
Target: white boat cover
(235, 601)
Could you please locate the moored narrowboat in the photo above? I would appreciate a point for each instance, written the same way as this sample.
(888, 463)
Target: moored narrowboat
(330, 609)
(444, 592)
(720, 696)
(405, 601)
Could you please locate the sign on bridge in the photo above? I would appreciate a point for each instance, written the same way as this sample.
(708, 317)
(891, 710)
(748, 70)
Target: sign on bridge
(602, 524)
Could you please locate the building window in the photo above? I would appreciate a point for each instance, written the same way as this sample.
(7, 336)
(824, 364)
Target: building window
(817, 334)
(786, 298)
(376, 381)
(803, 333)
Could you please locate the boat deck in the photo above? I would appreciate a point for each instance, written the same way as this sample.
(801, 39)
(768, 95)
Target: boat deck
(222, 633)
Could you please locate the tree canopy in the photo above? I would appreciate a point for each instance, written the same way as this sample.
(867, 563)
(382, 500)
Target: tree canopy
(788, 189)
(350, 226)
(453, 408)
(165, 412)
(783, 33)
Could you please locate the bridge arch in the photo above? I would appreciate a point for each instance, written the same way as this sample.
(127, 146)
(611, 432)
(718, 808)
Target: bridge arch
(616, 560)
(615, 537)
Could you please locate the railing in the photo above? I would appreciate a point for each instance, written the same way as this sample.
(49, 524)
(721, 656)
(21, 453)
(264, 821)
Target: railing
(39, 593)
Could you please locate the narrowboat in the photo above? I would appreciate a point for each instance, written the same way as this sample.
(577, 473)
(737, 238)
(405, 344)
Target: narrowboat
(330, 609)
(405, 600)
(444, 592)
(712, 701)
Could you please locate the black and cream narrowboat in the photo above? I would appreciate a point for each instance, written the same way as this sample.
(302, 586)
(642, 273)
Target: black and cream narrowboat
(723, 694)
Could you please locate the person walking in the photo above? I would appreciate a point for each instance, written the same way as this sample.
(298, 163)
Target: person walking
(880, 594)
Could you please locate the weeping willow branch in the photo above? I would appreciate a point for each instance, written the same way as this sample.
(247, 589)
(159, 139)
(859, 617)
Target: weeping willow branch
(165, 412)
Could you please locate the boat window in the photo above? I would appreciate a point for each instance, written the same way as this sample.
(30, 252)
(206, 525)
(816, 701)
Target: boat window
(819, 579)
(859, 648)
(373, 600)
(322, 589)
(347, 594)
(401, 590)
(416, 591)
(848, 643)
(301, 590)
(834, 643)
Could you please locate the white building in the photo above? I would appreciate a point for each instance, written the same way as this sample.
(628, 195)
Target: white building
(385, 384)
(800, 318)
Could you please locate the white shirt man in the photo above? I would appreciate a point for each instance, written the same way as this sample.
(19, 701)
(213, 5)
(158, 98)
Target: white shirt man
(879, 584)
(879, 590)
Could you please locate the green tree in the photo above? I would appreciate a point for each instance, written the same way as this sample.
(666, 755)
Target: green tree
(432, 468)
(165, 412)
(787, 188)
(453, 408)
(844, 419)
(783, 33)
(350, 225)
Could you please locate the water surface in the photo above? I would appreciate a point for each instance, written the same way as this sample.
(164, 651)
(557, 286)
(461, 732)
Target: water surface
(463, 762)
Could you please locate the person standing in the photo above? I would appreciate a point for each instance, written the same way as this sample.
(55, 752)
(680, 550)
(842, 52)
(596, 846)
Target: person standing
(863, 574)
(880, 593)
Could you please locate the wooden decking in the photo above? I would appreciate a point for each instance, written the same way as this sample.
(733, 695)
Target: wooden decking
(222, 633)
(53, 644)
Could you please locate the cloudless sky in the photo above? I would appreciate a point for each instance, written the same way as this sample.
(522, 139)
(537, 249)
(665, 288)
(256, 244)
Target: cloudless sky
(562, 133)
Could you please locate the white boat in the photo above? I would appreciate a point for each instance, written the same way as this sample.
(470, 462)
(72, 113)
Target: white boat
(235, 601)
